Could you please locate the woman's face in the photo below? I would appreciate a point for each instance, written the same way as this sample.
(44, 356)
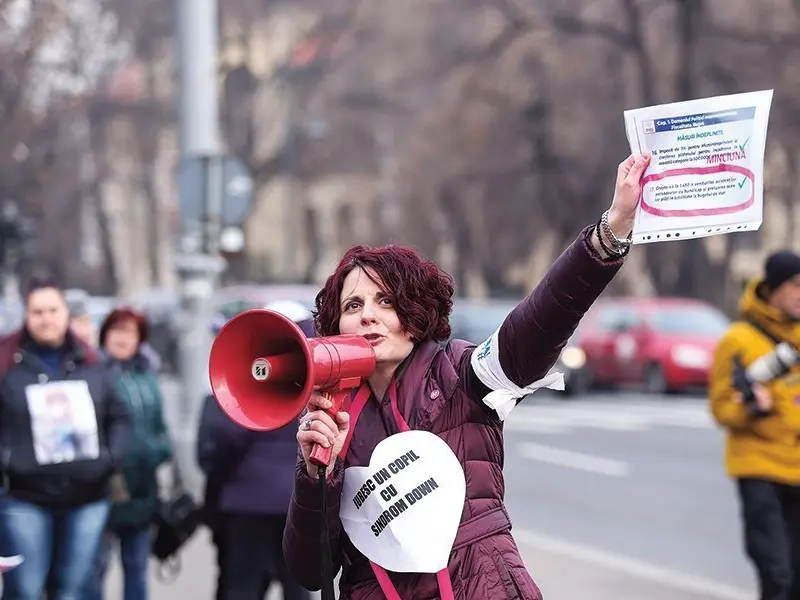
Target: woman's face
(47, 316)
(122, 340)
(368, 312)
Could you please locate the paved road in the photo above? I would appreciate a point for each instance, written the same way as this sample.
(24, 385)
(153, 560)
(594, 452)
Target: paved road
(631, 485)
(617, 498)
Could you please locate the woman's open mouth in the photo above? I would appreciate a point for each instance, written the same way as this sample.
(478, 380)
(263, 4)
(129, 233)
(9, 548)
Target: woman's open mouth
(374, 338)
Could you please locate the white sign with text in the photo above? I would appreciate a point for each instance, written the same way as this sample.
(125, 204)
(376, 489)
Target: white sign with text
(706, 176)
(402, 511)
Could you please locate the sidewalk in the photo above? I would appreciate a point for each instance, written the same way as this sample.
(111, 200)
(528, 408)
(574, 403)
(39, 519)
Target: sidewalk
(195, 582)
(560, 577)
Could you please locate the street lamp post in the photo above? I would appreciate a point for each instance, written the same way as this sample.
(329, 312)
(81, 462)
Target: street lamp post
(198, 261)
(10, 247)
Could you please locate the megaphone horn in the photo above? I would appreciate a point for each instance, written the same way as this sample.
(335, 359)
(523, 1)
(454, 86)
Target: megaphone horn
(263, 370)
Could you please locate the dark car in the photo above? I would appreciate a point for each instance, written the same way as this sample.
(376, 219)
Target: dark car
(572, 363)
(476, 320)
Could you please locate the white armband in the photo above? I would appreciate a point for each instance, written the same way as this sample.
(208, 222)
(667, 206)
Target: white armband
(9, 562)
(505, 394)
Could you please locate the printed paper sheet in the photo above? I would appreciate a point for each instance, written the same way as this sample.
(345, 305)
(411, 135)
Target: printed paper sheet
(706, 174)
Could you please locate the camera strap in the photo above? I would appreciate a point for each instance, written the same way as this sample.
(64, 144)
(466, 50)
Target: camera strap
(763, 330)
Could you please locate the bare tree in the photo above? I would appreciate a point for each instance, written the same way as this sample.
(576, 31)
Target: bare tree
(51, 53)
(695, 55)
(487, 133)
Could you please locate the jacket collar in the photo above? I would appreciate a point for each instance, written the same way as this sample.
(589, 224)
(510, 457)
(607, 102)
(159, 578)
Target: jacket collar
(425, 384)
(139, 362)
(11, 348)
(754, 305)
(74, 349)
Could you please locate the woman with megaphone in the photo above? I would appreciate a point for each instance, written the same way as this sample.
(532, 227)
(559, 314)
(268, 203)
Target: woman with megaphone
(415, 495)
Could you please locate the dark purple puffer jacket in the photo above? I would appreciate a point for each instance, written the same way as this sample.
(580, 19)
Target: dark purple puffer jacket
(439, 392)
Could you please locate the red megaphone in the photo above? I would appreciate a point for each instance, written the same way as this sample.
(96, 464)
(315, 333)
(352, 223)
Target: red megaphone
(263, 369)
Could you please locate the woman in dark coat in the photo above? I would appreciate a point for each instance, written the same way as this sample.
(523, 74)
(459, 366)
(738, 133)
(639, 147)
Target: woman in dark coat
(401, 303)
(133, 513)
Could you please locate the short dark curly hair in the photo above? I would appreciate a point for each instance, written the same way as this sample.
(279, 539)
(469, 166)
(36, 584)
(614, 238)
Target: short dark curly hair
(421, 292)
(124, 314)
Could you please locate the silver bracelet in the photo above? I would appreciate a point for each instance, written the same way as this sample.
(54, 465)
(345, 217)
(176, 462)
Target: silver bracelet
(617, 243)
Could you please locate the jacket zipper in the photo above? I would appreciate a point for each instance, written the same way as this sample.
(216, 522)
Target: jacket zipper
(137, 402)
(136, 394)
(6, 467)
(145, 390)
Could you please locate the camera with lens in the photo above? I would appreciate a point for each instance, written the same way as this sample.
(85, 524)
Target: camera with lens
(767, 368)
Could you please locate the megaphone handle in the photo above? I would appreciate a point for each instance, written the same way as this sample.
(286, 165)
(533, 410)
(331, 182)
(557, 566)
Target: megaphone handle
(321, 456)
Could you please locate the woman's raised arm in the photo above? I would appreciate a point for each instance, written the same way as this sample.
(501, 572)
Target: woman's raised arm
(529, 341)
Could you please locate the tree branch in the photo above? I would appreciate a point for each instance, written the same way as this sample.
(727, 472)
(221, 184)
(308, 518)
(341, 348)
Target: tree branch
(576, 26)
(756, 38)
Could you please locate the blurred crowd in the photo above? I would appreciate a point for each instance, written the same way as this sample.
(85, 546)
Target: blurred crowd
(88, 470)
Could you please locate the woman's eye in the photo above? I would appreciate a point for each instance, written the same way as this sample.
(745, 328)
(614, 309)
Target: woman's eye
(386, 301)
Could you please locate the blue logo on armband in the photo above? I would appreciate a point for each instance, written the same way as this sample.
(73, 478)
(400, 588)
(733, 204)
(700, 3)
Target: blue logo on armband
(483, 350)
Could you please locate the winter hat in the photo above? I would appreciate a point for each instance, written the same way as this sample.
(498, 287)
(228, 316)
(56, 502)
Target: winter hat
(780, 267)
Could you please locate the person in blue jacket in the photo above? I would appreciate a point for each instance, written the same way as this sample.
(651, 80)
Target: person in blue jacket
(249, 480)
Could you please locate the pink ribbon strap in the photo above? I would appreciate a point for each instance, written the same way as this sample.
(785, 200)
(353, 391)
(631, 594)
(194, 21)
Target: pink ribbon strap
(384, 581)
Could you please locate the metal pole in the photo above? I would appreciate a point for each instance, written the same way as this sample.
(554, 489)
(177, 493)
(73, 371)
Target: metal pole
(287, 246)
(11, 256)
(199, 265)
(13, 299)
(214, 199)
(197, 56)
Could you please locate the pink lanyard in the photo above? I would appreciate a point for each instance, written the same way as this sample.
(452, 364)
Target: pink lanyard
(361, 399)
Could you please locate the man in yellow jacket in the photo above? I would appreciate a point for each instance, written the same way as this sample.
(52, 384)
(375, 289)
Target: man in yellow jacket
(763, 437)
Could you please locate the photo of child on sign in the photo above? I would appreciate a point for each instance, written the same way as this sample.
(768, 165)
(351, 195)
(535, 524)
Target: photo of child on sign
(63, 422)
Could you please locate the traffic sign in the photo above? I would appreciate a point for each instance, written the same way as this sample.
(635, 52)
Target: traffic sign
(237, 191)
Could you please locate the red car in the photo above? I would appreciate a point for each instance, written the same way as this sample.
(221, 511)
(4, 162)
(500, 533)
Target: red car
(664, 344)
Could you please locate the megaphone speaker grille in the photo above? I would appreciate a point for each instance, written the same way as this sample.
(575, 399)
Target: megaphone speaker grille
(263, 368)
(260, 370)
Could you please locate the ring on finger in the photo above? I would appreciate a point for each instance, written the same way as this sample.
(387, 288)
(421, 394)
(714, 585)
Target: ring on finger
(307, 424)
